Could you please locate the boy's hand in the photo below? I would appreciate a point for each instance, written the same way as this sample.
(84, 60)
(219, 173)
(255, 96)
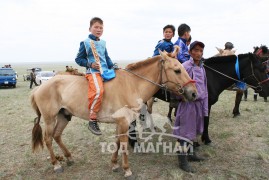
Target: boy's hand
(96, 66)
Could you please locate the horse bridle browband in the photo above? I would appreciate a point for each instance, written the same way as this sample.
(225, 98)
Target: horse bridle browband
(163, 84)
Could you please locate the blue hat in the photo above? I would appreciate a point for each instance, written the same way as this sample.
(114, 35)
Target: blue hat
(196, 43)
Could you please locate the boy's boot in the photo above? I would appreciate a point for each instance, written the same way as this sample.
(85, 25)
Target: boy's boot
(196, 145)
(183, 159)
(194, 157)
(93, 126)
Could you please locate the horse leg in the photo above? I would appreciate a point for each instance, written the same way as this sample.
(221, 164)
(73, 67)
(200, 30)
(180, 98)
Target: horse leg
(175, 113)
(238, 98)
(169, 113)
(132, 134)
(255, 96)
(150, 104)
(49, 128)
(114, 159)
(58, 130)
(205, 137)
(123, 127)
(246, 94)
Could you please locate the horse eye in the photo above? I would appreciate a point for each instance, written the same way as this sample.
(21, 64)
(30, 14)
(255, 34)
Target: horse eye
(177, 71)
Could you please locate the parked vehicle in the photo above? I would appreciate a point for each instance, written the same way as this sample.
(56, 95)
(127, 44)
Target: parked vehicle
(8, 77)
(43, 76)
(26, 77)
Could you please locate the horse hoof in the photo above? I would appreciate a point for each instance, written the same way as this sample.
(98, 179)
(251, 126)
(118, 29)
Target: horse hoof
(206, 140)
(128, 174)
(116, 168)
(236, 114)
(59, 170)
(132, 177)
(70, 163)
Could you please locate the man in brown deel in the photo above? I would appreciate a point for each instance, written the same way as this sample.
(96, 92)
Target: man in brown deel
(32, 78)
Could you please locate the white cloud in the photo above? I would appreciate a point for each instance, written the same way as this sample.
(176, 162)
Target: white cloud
(50, 30)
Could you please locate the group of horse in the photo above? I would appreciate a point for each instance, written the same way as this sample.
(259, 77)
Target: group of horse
(218, 74)
(65, 96)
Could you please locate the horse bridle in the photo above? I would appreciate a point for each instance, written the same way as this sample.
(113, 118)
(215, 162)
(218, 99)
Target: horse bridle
(180, 88)
(163, 85)
(259, 87)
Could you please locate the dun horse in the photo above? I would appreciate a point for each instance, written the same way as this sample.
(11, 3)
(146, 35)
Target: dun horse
(65, 96)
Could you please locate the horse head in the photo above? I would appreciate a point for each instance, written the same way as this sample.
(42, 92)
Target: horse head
(255, 75)
(176, 78)
(261, 51)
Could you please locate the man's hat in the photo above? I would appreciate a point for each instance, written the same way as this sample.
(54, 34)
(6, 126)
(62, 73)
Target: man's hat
(196, 43)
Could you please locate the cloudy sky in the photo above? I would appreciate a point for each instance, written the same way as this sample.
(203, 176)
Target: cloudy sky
(51, 30)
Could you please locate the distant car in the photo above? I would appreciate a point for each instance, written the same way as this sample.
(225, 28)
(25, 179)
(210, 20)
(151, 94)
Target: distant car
(8, 77)
(43, 76)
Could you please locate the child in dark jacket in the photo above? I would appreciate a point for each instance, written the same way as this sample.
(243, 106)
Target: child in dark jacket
(165, 44)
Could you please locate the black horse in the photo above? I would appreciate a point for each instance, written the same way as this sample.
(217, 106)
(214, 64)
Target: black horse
(221, 74)
(263, 53)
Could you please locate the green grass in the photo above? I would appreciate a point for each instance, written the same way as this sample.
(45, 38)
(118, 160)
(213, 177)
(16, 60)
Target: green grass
(240, 145)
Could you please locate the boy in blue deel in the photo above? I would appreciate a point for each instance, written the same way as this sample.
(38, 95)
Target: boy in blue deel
(183, 36)
(93, 55)
(166, 44)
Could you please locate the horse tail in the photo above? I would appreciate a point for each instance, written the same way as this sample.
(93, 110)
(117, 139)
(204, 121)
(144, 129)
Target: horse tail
(37, 136)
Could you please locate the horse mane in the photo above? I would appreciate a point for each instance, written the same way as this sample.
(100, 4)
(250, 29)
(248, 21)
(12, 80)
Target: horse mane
(137, 65)
(221, 59)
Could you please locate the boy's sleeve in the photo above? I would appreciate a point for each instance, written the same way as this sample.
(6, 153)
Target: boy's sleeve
(181, 55)
(158, 46)
(108, 60)
(81, 58)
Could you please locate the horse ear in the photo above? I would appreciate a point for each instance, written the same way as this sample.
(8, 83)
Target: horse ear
(163, 54)
(220, 50)
(175, 52)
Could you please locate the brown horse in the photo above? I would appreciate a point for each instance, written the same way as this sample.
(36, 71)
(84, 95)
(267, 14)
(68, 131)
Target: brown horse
(70, 72)
(65, 96)
(225, 52)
